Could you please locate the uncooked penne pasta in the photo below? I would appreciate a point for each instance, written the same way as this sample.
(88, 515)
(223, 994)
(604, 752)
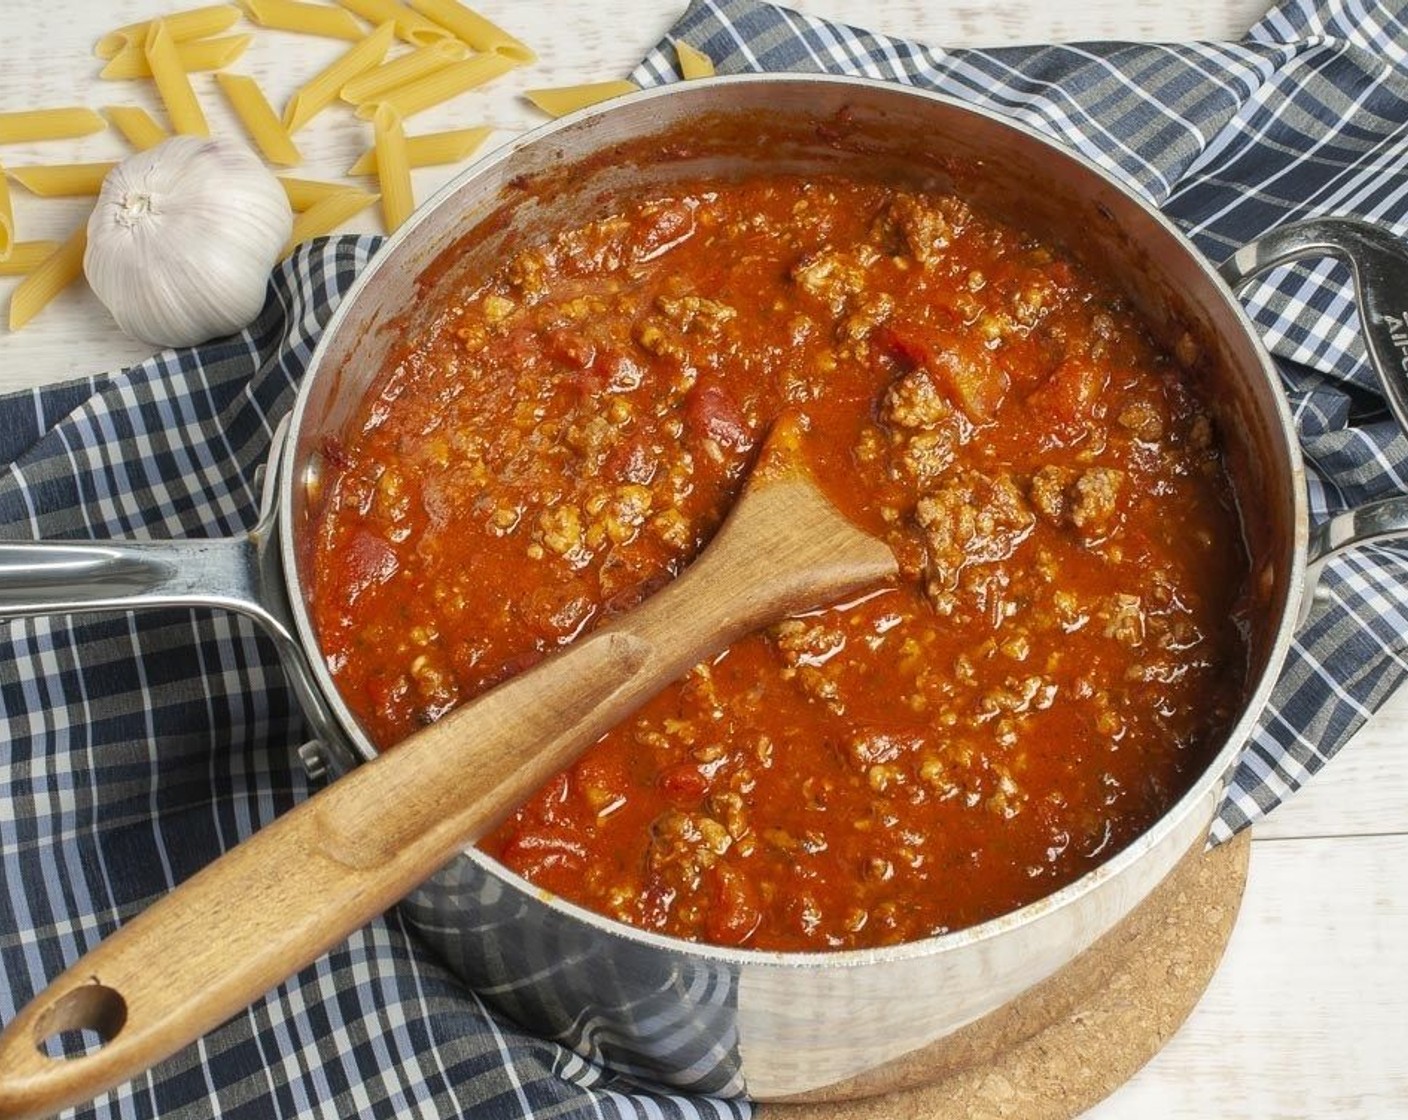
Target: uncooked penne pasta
(304, 194)
(410, 26)
(26, 256)
(693, 63)
(195, 23)
(321, 89)
(470, 27)
(259, 119)
(198, 54)
(440, 85)
(48, 124)
(48, 278)
(430, 148)
(136, 125)
(7, 219)
(62, 180)
(326, 215)
(305, 18)
(417, 64)
(393, 169)
(172, 83)
(558, 101)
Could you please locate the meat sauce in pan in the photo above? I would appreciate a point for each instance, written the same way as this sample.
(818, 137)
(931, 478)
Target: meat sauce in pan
(1054, 672)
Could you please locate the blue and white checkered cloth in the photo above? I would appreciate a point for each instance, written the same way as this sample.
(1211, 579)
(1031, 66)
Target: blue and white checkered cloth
(136, 749)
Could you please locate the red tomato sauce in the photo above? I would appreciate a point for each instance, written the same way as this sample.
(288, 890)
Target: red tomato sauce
(1054, 671)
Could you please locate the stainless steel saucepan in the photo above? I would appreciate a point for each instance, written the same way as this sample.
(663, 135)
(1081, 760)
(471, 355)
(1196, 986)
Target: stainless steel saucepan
(734, 1021)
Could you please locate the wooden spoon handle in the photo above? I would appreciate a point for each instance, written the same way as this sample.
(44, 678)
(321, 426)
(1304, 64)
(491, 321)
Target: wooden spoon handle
(296, 888)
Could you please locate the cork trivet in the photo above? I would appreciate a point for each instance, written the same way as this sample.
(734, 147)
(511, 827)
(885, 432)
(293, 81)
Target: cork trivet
(1063, 1047)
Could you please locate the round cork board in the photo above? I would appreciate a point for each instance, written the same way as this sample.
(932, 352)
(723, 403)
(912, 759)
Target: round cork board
(1074, 1039)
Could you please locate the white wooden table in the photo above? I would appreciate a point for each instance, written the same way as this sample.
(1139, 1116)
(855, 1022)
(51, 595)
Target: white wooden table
(1308, 1014)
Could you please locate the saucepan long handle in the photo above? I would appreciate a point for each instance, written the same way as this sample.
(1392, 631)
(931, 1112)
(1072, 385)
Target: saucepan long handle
(1378, 262)
(239, 574)
(55, 577)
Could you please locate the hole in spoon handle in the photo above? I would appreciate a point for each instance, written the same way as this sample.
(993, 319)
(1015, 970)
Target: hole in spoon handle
(92, 1008)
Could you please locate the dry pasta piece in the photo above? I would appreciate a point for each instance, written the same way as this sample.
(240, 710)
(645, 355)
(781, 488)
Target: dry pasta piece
(62, 180)
(305, 18)
(26, 256)
(198, 54)
(417, 64)
(393, 168)
(136, 125)
(173, 84)
(48, 124)
(194, 23)
(694, 63)
(304, 194)
(48, 278)
(410, 26)
(470, 27)
(440, 85)
(7, 219)
(320, 90)
(430, 148)
(558, 101)
(259, 119)
(327, 214)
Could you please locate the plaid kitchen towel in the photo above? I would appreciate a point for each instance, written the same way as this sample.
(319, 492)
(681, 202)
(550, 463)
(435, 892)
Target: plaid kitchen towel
(137, 748)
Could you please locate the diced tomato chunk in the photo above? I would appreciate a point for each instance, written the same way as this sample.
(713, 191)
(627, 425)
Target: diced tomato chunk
(535, 853)
(369, 562)
(1067, 396)
(710, 413)
(632, 461)
(683, 784)
(976, 385)
(733, 911)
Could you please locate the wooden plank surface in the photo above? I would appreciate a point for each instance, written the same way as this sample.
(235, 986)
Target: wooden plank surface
(1305, 1016)
(1308, 1015)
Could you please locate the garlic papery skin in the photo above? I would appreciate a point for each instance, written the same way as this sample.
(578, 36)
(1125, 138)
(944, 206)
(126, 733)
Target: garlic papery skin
(182, 240)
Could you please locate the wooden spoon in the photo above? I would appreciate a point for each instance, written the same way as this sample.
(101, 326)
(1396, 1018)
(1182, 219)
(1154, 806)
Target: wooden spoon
(296, 888)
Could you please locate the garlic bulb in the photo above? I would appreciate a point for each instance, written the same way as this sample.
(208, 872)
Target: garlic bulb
(183, 237)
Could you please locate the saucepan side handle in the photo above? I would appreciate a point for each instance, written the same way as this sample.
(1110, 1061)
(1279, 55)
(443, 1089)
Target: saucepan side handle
(1378, 262)
(239, 574)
